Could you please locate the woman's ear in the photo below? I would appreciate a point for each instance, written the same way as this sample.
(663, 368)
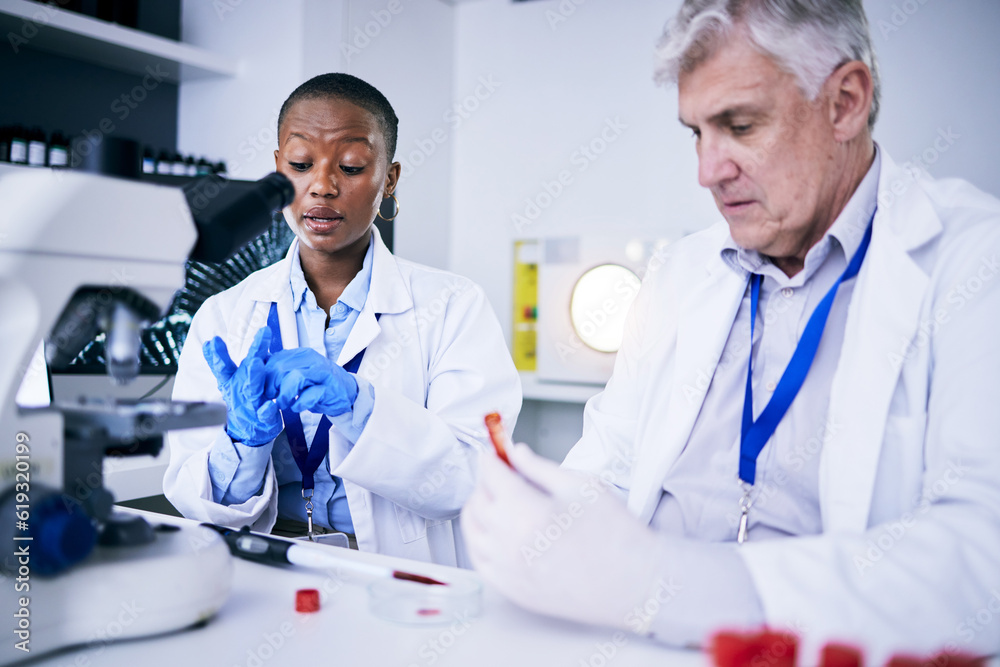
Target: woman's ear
(391, 179)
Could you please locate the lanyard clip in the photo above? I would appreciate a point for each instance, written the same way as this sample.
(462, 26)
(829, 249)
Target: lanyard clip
(309, 513)
(746, 502)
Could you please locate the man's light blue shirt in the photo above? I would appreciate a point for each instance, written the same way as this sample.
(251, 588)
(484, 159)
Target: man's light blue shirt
(700, 498)
(237, 470)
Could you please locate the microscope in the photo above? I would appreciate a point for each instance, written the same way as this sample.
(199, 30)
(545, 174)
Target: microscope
(82, 254)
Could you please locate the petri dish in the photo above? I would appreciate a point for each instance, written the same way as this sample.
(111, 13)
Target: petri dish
(412, 603)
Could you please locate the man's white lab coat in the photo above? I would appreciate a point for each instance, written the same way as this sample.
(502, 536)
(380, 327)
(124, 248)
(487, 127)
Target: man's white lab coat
(438, 363)
(910, 474)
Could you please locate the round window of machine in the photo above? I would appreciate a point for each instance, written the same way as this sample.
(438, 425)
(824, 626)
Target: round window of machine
(599, 304)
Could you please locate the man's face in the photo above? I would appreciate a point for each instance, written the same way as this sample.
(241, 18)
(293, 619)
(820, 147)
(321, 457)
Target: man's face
(335, 156)
(765, 152)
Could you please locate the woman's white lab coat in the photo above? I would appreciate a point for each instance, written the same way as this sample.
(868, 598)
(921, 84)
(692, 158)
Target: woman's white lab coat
(438, 363)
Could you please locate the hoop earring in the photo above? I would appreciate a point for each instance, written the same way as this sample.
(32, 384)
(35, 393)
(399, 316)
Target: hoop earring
(396, 201)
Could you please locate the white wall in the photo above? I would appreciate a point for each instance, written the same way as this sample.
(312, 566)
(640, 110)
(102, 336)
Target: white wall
(236, 119)
(560, 86)
(941, 69)
(410, 60)
(561, 79)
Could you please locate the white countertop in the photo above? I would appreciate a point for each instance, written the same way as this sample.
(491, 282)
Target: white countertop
(258, 626)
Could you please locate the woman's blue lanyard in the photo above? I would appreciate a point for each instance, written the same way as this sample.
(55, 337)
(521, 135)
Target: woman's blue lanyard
(306, 458)
(755, 434)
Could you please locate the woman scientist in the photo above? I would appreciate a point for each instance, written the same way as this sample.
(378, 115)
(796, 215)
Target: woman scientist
(358, 402)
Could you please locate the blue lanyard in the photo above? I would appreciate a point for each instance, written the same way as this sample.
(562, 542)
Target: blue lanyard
(755, 434)
(306, 458)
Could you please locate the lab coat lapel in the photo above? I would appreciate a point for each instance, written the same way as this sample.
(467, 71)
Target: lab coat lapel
(387, 294)
(704, 322)
(364, 331)
(883, 315)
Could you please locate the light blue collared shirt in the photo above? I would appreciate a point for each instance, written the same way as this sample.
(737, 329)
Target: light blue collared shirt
(244, 472)
(701, 492)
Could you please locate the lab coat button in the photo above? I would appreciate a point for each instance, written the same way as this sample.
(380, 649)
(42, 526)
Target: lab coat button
(787, 292)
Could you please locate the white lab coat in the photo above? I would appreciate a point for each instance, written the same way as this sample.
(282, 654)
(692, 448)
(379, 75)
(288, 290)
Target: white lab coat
(910, 467)
(438, 363)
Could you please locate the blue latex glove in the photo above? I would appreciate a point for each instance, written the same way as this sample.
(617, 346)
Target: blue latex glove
(303, 380)
(253, 418)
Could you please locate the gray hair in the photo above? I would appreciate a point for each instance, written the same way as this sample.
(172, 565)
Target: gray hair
(807, 38)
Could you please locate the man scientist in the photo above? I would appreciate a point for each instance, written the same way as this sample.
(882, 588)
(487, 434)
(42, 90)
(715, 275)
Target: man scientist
(839, 475)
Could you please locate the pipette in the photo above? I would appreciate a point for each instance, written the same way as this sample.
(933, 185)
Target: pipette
(274, 551)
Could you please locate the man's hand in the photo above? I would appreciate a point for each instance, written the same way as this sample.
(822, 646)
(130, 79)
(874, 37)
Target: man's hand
(251, 418)
(561, 544)
(303, 380)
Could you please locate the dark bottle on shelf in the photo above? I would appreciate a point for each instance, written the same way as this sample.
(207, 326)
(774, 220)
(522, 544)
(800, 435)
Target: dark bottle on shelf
(59, 150)
(88, 8)
(148, 161)
(18, 145)
(37, 148)
(122, 12)
(4, 144)
(178, 168)
(163, 163)
(104, 10)
(126, 13)
(204, 167)
(219, 168)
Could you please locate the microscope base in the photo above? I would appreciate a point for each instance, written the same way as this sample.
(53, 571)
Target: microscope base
(179, 580)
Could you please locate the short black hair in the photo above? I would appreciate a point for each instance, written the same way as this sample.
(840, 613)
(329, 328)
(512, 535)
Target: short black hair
(340, 86)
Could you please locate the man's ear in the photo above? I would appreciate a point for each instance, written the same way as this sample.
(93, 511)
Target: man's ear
(851, 90)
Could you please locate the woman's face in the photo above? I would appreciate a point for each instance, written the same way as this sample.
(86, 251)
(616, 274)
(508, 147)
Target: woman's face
(334, 154)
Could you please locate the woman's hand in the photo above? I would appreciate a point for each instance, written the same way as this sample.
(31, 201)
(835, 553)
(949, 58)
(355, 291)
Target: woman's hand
(253, 418)
(303, 380)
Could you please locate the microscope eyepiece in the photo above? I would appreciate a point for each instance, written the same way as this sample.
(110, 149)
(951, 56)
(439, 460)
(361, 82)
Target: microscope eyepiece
(227, 220)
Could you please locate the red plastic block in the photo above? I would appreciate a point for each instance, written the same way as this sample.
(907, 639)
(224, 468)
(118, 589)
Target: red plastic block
(762, 649)
(307, 600)
(840, 655)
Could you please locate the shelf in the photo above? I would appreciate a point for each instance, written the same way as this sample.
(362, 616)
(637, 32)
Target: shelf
(65, 33)
(534, 389)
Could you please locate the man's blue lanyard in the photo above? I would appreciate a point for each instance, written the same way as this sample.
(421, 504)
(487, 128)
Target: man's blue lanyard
(306, 458)
(755, 434)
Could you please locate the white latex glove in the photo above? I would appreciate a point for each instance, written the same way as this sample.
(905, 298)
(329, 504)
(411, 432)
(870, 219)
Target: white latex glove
(567, 547)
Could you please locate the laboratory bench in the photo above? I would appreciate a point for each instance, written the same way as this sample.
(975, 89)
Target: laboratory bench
(258, 625)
